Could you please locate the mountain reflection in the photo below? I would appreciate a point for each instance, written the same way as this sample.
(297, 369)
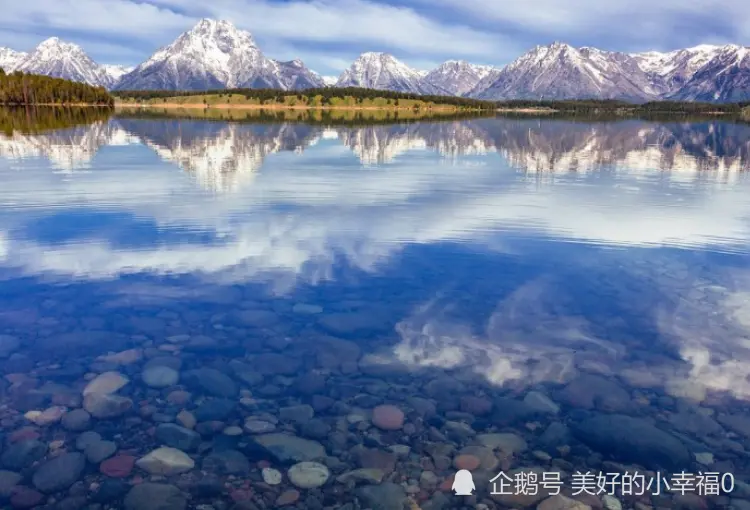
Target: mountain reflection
(491, 271)
(222, 156)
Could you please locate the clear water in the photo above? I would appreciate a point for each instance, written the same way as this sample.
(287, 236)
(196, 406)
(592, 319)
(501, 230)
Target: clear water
(536, 296)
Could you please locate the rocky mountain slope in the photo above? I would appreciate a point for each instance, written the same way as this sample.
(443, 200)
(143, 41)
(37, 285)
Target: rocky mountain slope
(724, 78)
(456, 77)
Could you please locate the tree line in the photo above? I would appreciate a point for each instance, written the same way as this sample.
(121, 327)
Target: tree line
(326, 94)
(18, 88)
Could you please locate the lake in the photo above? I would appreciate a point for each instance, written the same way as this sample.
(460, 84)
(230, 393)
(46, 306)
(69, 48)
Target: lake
(342, 313)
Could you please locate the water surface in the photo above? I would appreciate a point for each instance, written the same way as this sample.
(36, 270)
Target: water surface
(534, 295)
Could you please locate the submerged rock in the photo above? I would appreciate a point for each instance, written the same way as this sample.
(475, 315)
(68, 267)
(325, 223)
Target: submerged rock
(211, 381)
(360, 323)
(386, 496)
(388, 417)
(308, 475)
(226, 462)
(594, 392)
(630, 439)
(217, 409)
(106, 383)
(271, 476)
(59, 473)
(178, 437)
(166, 461)
(98, 451)
(155, 496)
(287, 448)
(76, 420)
(22, 454)
(8, 481)
(160, 376)
(104, 406)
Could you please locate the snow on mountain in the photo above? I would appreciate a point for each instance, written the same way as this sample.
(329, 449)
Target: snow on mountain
(296, 76)
(330, 81)
(216, 55)
(60, 59)
(9, 59)
(559, 71)
(116, 72)
(671, 70)
(724, 78)
(213, 55)
(485, 83)
(456, 78)
(383, 72)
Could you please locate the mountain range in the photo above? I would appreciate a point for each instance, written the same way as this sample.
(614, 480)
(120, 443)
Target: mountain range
(216, 54)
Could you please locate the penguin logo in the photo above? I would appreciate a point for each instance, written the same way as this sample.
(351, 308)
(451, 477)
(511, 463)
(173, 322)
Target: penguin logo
(463, 483)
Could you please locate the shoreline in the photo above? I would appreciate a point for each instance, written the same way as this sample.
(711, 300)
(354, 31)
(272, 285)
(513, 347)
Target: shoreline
(229, 106)
(527, 110)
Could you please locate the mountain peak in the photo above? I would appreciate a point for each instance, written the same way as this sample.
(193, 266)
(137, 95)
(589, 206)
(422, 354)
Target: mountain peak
(208, 24)
(215, 54)
(54, 46)
(456, 77)
(382, 71)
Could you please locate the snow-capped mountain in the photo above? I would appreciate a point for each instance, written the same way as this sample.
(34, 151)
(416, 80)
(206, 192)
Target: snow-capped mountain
(216, 54)
(330, 81)
(116, 72)
(724, 78)
(296, 76)
(559, 71)
(383, 72)
(213, 55)
(671, 70)
(54, 57)
(456, 77)
(9, 59)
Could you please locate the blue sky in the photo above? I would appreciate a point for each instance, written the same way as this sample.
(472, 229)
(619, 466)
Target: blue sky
(329, 34)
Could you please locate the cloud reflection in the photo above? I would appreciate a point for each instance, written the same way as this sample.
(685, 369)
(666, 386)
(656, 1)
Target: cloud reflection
(283, 202)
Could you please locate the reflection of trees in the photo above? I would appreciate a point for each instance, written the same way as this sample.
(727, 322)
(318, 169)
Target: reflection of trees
(38, 119)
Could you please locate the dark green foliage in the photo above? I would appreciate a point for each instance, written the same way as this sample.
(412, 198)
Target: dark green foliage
(20, 88)
(31, 119)
(326, 93)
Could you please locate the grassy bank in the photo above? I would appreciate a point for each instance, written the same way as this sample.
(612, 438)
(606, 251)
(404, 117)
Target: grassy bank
(327, 98)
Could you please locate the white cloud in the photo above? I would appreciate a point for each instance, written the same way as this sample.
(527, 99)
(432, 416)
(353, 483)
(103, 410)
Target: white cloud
(283, 25)
(328, 34)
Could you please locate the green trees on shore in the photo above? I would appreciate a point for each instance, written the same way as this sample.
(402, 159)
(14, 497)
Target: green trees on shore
(19, 88)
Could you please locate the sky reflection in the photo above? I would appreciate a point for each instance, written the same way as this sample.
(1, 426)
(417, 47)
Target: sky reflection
(502, 237)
